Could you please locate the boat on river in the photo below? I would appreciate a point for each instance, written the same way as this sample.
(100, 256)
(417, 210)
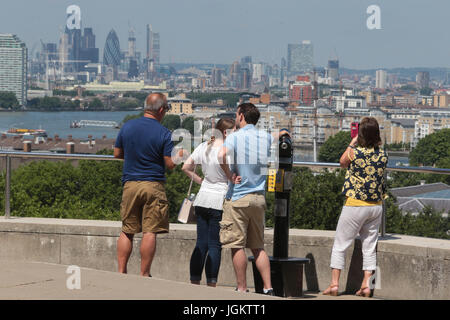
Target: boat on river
(27, 132)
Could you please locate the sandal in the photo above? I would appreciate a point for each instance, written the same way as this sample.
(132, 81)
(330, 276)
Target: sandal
(330, 292)
(363, 293)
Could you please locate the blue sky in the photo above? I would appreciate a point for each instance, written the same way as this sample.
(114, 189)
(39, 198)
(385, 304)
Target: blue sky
(415, 33)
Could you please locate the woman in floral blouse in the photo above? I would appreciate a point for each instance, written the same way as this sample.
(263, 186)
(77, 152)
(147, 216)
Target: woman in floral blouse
(364, 189)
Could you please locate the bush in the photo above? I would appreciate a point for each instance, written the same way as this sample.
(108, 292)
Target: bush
(93, 190)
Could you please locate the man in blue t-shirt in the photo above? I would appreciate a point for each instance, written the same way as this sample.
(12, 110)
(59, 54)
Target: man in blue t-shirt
(146, 146)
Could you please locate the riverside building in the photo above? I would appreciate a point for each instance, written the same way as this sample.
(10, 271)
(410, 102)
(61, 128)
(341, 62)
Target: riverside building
(13, 66)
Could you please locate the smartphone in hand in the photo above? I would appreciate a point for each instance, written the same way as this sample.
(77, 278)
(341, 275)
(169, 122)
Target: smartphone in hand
(354, 127)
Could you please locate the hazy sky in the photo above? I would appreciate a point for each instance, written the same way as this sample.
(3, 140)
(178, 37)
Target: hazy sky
(415, 33)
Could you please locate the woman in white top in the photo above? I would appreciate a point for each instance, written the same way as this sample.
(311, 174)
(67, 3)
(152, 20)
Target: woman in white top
(208, 205)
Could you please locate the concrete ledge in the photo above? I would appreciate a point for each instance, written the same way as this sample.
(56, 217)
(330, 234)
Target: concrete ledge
(409, 267)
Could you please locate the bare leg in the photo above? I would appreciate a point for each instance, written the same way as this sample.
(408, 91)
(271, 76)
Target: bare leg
(240, 268)
(263, 265)
(124, 249)
(366, 279)
(148, 249)
(335, 275)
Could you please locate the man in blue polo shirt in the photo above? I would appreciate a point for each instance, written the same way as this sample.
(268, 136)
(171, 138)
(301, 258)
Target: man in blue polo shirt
(146, 146)
(242, 224)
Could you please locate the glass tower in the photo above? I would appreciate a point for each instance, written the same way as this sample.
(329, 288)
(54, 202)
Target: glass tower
(13, 66)
(111, 55)
(300, 58)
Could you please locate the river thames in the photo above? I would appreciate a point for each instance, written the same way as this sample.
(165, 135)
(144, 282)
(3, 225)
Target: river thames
(59, 123)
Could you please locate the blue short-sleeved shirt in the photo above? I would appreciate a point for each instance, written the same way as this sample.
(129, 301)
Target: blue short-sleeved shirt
(248, 150)
(145, 142)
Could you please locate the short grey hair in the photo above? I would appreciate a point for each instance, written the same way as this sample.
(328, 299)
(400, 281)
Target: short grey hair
(154, 104)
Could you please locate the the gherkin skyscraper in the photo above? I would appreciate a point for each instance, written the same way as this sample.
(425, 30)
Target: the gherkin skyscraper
(111, 54)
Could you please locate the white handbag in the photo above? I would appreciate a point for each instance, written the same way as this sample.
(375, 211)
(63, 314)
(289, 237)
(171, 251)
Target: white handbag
(187, 212)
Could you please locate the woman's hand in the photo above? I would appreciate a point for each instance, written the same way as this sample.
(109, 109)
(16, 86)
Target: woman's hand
(235, 179)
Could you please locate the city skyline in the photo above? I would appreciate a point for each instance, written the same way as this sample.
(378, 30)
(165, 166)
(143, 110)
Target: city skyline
(223, 32)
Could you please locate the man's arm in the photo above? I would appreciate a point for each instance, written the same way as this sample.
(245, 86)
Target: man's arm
(118, 153)
(222, 157)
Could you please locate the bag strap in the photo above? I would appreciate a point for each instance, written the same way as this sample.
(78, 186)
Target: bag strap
(192, 180)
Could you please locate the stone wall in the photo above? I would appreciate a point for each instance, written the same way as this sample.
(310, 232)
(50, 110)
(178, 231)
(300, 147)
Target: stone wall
(408, 267)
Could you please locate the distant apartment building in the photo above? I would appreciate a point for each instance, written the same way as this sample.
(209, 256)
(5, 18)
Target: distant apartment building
(180, 105)
(257, 72)
(381, 79)
(402, 130)
(368, 95)
(430, 121)
(302, 120)
(301, 91)
(344, 102)
(423, 79)
(441, 100)
(427, 100)
(216, 77)
(13, 66)
(300, 58)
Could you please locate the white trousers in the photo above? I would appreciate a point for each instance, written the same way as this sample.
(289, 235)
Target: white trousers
(353, 220)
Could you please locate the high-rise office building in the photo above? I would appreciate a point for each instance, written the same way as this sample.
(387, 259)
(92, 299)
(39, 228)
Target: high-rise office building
(133, 70)
(88, 39)
(73, 50)
(112, 54)
(300, 58)
(89, 53)
(216, 77)
(13, 66)
(333, 69)
(245, 78)
(246, 72)
(235, 75)
(381, 79)
(153, 53)
(423, 79)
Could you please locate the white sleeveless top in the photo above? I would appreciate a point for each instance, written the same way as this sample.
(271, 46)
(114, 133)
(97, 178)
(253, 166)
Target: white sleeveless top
(215, 183)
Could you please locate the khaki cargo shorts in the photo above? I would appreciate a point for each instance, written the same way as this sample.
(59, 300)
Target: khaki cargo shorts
(144, 207)
(242, 224)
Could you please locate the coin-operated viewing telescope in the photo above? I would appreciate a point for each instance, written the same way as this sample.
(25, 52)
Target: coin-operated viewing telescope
(286, 272)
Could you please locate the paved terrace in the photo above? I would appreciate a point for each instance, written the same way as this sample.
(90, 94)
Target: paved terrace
(47, 281)
(35, 253)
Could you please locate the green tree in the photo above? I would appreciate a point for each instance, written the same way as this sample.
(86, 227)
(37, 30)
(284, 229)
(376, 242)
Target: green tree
(431, 150)
(171, 121)
(96, 104)
(188, 124)
(8, 100)
(316, 199)
(334, 147)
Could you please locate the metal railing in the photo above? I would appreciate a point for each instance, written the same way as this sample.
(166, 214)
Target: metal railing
(8, 155)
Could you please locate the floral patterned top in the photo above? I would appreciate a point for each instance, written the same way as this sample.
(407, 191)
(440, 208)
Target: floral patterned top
(364, 179)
